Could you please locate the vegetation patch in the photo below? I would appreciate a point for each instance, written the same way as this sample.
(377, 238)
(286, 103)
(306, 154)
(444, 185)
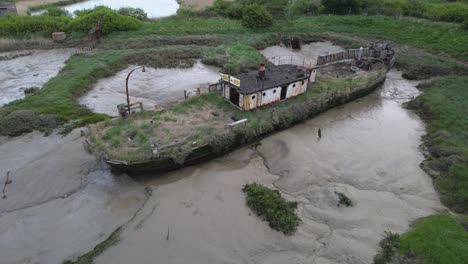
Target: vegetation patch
(344, 200)
(443, 106)
(272, 207)
(235, 58)
(89, 257)
(21, 25)
(438, 239)
(112, 21)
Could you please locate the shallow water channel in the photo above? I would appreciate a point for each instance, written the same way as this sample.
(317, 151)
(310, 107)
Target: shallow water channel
(154, 9)
(62, 202)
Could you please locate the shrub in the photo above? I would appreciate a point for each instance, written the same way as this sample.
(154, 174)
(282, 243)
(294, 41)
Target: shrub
(112, 21)
(272, 207)
(137, 13)
(16, 25)
(256, 16)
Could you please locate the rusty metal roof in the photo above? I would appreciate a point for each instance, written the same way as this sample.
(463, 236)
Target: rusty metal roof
(7, 7)
(275, 76)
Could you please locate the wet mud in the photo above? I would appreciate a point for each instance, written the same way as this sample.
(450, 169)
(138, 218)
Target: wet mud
(368, 151)
(61, 202)
(32, 70)
(153, 87)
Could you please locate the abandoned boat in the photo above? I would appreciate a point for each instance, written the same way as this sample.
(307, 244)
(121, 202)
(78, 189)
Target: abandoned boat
(242, 109)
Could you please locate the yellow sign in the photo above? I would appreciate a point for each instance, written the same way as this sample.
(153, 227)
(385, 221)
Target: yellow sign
(225, 77)
(235, 81)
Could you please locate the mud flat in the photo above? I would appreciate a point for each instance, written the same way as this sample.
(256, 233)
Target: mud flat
(153, 87)
(369, 151)
(32, 70)
(61, 201)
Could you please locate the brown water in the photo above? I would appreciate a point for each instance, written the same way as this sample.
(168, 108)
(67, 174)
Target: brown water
(369, 151)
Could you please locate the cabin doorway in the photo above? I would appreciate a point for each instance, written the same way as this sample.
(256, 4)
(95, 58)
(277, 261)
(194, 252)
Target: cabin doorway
(284, 91)
(234, 96)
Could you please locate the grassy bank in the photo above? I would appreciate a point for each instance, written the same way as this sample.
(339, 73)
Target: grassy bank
(443, 106)
(436, 239)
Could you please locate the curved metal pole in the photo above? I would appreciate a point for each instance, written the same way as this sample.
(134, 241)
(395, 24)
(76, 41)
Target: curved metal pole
(126, 84)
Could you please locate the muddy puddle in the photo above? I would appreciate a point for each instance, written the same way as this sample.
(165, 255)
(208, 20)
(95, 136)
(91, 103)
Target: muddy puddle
(369, 151)
(153, 87)
(308, 54)
(32, 70)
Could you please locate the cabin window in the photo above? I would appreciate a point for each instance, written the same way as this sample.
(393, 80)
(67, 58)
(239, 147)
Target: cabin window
(294, 85)
(313, 71)
(264, 94)
(253, 97)
(274, 91)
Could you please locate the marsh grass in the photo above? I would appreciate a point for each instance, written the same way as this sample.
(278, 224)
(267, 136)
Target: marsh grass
(443, 106)
(438, 239)
(272, 207)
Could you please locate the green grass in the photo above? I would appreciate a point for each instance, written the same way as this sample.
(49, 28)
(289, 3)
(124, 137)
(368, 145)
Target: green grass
(436, 37)
(438, 239)
(272, 207)
(234, 58)
(445, 103)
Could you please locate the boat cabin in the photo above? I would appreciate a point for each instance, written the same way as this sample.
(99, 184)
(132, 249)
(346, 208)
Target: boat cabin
(7, 8)
(251, 90)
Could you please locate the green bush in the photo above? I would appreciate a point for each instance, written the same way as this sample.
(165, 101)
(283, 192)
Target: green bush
(55, 11)
(18, 25)
(450, 12)
(137, 13)
(256, 16)
(112, 21)
(273, 208)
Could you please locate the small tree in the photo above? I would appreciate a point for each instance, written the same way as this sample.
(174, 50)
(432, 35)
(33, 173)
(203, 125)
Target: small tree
(256, 16)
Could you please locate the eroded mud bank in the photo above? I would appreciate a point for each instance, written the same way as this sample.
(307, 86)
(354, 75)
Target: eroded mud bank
(369, 151)
(32, 70)
(153, 87)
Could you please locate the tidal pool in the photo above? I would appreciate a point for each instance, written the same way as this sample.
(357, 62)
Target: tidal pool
(153, 87)
(32, 70)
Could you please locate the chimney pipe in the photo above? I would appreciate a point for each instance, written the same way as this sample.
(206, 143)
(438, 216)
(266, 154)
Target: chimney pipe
(261, 72)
